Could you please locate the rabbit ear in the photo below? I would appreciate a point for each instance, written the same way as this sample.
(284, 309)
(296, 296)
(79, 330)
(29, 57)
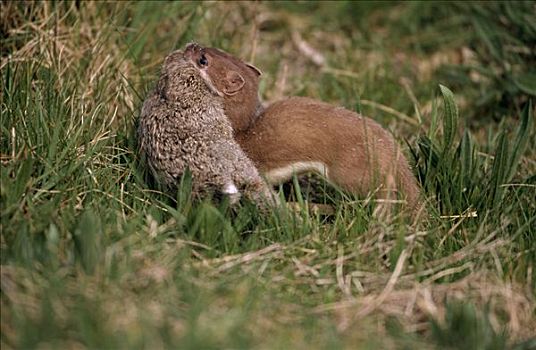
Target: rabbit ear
(233, 83)
(255, 69)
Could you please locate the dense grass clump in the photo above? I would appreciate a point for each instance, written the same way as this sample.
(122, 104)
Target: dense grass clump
(93, 255)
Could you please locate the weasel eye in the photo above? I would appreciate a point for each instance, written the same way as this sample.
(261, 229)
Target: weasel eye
(203, 61)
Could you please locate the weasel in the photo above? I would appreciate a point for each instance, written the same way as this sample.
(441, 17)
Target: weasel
(353, 152)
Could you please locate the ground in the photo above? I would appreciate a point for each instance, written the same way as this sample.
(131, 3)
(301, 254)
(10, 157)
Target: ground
(93, 256)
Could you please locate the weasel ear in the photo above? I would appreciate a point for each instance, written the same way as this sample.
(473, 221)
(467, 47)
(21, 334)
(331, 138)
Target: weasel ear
(232, 83)
(255, 69)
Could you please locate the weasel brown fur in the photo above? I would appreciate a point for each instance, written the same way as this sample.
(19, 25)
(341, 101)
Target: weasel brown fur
(353, 152)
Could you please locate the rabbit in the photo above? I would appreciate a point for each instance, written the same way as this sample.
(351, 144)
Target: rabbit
(183, 125)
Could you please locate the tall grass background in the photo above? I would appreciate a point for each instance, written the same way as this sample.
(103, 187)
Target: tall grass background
(92, 256)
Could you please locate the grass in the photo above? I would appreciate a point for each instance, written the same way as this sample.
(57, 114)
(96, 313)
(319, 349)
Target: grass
(91, 256)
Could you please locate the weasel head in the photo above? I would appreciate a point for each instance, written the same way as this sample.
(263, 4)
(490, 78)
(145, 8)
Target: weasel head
(231, 78)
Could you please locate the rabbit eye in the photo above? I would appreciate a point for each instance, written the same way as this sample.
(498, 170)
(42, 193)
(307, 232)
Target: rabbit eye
(203, 61)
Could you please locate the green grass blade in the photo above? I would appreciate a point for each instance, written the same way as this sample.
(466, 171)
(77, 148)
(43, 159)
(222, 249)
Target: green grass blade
(521, 140)
(499, 169)
(487, 34)
(88, 240)
(450, 118)
(466, 150)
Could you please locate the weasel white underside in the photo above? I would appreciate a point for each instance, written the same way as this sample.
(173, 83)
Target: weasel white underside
(280, 175)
